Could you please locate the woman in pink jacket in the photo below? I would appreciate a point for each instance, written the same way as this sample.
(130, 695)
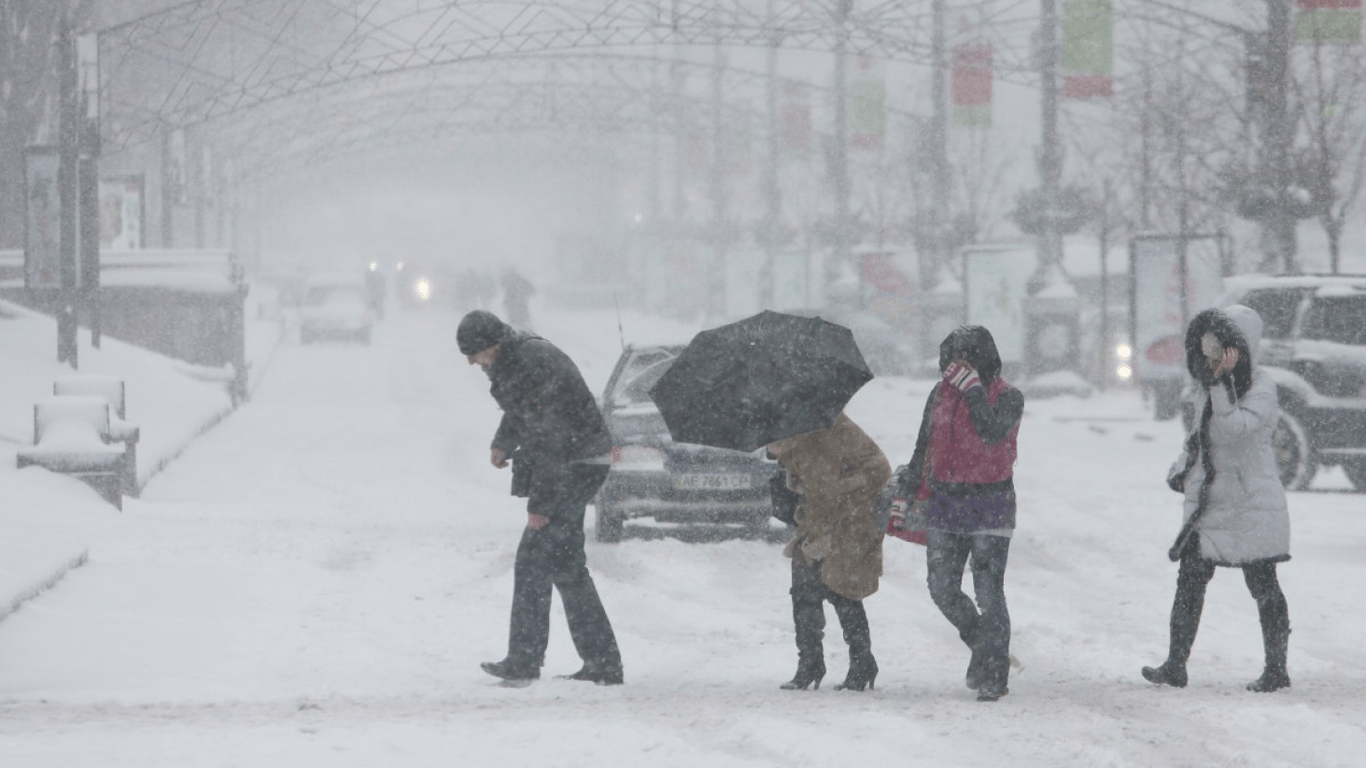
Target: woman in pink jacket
(961, 481)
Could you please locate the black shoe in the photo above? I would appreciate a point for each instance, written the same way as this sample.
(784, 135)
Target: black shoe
(977, 670)
(1271, 680)
(1167, 674)
(991, 691)
(597, 676)
(807, 675)
(511, 671)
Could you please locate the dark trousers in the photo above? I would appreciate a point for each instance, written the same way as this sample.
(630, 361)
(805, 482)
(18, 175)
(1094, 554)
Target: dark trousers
(1192, 579)
(553, 557)
(985, 625)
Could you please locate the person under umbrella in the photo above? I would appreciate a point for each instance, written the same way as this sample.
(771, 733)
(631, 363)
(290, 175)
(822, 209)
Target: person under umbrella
(837, 551)
(1234, 504)
(961, 477)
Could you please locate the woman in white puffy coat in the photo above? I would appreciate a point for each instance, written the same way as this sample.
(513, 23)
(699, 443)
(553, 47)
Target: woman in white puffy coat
(1234, 502)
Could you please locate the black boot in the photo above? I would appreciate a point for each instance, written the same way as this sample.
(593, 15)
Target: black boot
(808, 617)
(512, 671)
(1275, 619)
(1167, 674)
(1185, 621)
(810, 672)
(862, 665)
(977, 664)
(599, 675)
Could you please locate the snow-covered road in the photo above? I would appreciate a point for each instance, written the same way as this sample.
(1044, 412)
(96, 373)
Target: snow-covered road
(315, 581)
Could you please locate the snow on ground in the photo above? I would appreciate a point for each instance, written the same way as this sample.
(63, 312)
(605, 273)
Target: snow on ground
(315, 581)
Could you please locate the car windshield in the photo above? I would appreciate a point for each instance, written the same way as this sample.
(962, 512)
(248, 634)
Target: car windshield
(641, 372)
(1339, 319)
(1277, 309)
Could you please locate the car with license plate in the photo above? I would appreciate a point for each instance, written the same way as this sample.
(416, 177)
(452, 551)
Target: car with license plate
(653, 477)
(1314, 347)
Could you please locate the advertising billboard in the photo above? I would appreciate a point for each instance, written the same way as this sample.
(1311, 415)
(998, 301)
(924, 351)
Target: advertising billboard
(122, 209)
(1165, 294)
(42, 219)
(996, 285)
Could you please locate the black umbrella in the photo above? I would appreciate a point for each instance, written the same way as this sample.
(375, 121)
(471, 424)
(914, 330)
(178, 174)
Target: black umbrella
(761, 379)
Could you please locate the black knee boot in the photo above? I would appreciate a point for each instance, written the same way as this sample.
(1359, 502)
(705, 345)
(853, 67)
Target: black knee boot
(1275, 619)
(854, 622)
(1185, 620)
(808, 617)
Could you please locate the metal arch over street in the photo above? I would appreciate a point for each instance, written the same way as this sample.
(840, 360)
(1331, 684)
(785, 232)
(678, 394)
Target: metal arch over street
(596, 93)
(601, 94)
(204, 59)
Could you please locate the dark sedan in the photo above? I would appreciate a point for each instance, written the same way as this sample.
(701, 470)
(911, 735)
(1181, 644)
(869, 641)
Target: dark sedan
(654, 477)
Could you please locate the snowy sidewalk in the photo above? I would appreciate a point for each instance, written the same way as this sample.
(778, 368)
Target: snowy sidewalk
(47, 519)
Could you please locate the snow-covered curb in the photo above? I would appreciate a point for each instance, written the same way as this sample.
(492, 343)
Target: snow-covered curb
(42, 567)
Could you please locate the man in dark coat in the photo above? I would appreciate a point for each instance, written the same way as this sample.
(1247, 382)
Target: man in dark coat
(555, 438)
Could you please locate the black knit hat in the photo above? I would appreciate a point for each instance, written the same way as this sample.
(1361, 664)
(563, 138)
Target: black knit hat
(480, 330)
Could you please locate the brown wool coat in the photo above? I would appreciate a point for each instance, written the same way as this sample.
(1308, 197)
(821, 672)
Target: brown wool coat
(838, 472)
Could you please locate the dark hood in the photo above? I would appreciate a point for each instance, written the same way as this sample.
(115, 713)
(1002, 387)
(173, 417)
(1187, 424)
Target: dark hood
(1232, 326)
(974, 344)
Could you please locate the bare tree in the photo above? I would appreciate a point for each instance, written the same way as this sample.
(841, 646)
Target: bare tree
(1331, 93)
(28, 95)
(979, 163)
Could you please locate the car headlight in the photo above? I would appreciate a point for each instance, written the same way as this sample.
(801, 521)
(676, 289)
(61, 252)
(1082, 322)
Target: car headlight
(638, 458)
(1124, 372)
(424, 289)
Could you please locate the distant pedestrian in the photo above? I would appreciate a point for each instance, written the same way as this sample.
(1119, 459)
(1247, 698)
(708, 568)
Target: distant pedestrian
(557, 442)
(961, 482)
(1235, 510)
(837, 551)
(376, 288)
(517, 291)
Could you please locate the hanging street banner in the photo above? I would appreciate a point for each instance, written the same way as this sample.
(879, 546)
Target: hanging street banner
(1328, 21)
(971, 85)
(794, 122)
(1088, 49)
(738, 144)
(867, 104)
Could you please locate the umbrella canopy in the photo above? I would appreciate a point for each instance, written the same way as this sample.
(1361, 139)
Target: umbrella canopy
(770, 376)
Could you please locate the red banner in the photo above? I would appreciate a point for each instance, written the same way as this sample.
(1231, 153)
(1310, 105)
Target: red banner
(1087, 86)
(882, 276)
(971, 84)
(1314, 5)
(1328, 21)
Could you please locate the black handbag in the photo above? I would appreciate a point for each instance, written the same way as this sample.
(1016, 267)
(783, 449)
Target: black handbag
(784, 499)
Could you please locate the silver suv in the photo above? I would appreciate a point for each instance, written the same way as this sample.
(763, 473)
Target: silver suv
(1314, 347)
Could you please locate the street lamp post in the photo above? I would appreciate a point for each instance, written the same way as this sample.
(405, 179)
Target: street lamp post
(68, 157)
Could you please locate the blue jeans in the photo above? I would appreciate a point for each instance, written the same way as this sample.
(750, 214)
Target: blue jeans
(985, 625)
(553, 558)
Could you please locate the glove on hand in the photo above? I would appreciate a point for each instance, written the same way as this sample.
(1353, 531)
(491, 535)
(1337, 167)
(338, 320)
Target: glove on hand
(899, 509)
(961, 377)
